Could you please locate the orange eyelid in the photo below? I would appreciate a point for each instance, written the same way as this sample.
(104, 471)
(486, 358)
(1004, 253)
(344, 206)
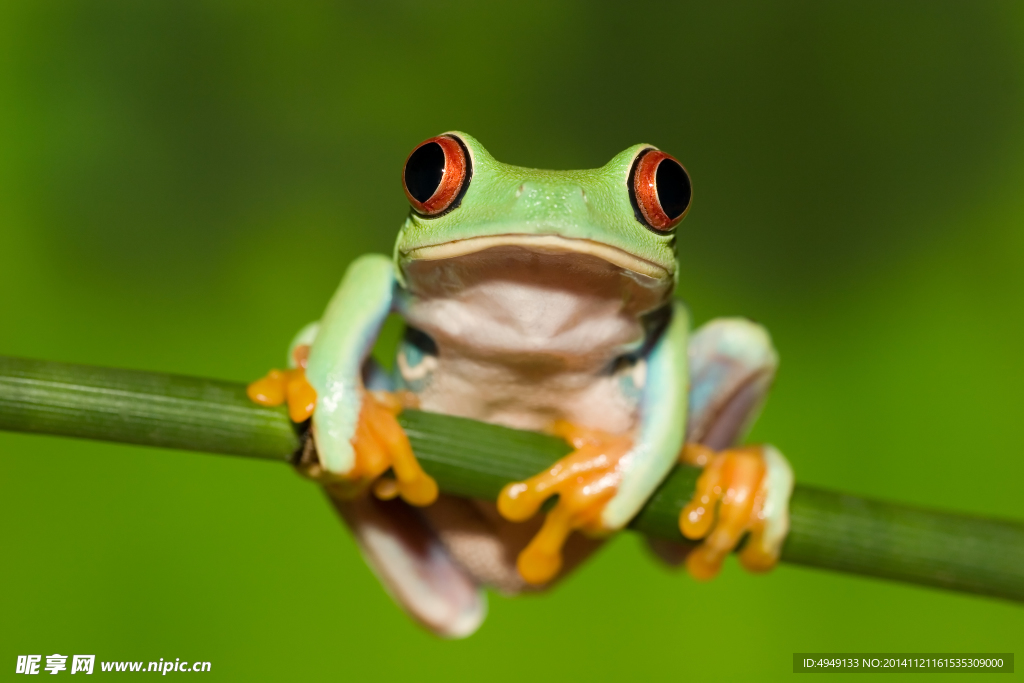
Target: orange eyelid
(451, 181)
(646, 188)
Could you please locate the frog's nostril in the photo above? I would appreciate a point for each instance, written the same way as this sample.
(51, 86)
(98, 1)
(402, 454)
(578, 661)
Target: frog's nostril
(583, 193)
(519, 191)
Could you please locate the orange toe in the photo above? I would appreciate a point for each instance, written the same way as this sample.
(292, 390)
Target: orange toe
(381, 443)
(584, 481)
(280, 386)
(301, 397)
(726, 505)
(270, 390)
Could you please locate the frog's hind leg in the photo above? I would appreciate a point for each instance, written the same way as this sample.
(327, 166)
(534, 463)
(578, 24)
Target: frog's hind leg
(732, 365)
(413, 564)
(742, 490)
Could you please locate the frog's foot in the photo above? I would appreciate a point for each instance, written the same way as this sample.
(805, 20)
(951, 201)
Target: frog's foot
(379, 445)
(279, 386)
(379, 442)
(741, 491)
(584, 481)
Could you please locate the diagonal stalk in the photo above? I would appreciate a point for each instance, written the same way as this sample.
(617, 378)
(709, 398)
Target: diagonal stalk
(473, 459)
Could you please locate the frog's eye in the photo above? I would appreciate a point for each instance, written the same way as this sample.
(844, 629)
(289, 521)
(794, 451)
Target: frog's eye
(659, 188)
(436, 175)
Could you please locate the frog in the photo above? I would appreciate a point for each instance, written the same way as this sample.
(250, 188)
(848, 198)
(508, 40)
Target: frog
(539, 300)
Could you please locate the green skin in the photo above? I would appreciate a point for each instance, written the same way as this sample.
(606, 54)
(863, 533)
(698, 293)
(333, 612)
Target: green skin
(588, 212)
(540, 297)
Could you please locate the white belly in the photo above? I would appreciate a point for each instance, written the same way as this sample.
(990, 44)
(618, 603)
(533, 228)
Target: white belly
(526, 338)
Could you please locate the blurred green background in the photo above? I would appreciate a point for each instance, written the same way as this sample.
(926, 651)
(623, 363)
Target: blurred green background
(183, 183)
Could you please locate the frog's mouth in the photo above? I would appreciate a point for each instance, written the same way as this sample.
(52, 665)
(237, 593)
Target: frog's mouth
(551, 244)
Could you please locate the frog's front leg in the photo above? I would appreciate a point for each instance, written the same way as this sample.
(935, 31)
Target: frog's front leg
(356, 431)
(607, 479)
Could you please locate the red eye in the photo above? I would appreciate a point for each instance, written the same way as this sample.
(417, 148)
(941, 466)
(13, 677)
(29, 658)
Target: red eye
(437, 175)
(660, 190)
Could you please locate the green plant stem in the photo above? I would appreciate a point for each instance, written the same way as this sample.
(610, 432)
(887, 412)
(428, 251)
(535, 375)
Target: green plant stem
(473, 459)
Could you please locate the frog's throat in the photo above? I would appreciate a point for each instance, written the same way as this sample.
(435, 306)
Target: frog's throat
(542, 243)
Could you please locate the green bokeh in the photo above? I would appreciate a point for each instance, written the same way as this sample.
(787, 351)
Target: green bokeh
(182, 185)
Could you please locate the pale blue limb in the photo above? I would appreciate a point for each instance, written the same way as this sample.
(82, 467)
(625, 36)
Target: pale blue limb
(662, 428)
(732, 365)
(347, 332)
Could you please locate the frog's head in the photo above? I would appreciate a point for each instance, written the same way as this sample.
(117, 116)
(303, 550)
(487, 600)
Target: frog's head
(464, 201)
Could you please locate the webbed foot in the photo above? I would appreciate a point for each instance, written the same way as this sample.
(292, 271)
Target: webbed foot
(584, 481)
(379, 442)
(742, 491)
(279, 386)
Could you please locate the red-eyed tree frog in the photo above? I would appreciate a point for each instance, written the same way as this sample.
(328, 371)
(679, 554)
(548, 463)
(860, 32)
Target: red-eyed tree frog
(537, 300)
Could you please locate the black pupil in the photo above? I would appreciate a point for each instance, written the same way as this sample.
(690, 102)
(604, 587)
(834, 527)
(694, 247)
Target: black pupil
(424, 170)
(673, 188)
